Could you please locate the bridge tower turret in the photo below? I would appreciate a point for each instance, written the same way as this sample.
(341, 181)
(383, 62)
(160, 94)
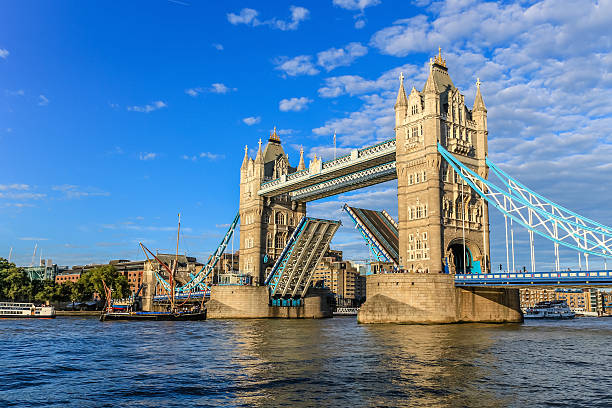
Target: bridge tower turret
(265, 223)
(443, 225)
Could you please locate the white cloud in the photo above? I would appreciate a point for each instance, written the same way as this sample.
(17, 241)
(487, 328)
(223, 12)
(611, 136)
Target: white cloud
(221, 88)
(252, 120)
(298, 14)
(5, 187)
(300, 65)
(294, 104)
(147, 156)
(18, 92)
(11, 195)
(339, 57)
(71, 191)
(355, 4)
(149, 107)
(203, 155)
(218, 47)
(194, 91)
(4, 53)
(328, 152)
(328, 59)
(217, 88)
(248, 16)
(33, 239)
(42, 100)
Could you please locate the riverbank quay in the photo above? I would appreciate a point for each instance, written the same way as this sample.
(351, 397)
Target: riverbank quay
(77, 313)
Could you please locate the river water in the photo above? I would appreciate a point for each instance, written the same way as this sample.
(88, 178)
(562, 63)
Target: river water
(81, 362)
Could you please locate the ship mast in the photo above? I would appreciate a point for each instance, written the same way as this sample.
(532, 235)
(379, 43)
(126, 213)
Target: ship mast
(178, 232)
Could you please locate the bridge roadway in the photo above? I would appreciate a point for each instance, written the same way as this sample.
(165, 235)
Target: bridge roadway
(361, 168)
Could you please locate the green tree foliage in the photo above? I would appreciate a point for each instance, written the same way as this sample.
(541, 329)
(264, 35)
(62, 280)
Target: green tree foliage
(92, 282)
(15, 285)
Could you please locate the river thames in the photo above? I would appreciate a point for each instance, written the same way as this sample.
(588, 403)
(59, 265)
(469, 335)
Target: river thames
(77, 362)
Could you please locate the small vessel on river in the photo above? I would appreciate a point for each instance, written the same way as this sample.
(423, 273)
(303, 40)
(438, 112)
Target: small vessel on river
(12, 310)
(554, 309)
(174, 313)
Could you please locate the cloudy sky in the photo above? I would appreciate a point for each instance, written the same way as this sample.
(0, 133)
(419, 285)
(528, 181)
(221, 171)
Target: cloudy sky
(115, 116)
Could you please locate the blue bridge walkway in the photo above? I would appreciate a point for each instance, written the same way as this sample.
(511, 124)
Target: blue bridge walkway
(528, 279)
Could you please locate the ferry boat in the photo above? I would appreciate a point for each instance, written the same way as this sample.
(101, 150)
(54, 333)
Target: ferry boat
(11, 310)
(555, 309)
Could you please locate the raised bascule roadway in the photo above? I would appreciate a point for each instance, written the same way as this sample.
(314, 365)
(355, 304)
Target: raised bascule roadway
(439, 248)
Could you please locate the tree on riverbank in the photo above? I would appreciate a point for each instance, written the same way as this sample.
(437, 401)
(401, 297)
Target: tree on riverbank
(91, 282)
(16, 285)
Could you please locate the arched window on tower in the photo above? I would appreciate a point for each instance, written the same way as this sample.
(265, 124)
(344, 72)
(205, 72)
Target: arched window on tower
(280, 218)
(279, 242)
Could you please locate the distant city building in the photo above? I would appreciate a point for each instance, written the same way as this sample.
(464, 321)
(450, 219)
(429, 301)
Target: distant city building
(531, 296)
(67, 275)
(342, 278)
(46, 270)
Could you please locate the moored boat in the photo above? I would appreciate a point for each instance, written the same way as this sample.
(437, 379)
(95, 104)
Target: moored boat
(154, 316)
(14, 310)
(555, 309)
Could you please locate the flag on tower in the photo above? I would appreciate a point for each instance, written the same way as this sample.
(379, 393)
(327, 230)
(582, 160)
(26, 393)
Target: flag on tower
(334, 145)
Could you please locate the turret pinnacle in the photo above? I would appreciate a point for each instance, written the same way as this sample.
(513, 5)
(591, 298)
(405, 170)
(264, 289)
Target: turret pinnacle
(430, 85)
(401, 94)
(302, 165)
(259, 157)
(246, 156)
(478, 102)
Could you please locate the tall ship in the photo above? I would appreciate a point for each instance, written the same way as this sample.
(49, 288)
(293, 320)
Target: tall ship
(12, 310)
(174, 311)
(554, 309)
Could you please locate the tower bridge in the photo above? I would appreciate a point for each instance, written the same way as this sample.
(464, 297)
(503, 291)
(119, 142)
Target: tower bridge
(438, 249)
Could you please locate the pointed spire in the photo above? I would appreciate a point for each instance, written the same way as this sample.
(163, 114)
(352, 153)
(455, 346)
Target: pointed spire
(274, 137)
(430, 85)
(478, 102)
(402, 101)
(259, 156)
(246, 156)
(302, 165)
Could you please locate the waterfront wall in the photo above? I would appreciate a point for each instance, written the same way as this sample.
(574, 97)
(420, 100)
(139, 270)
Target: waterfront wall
(413, 298)
(253, 302)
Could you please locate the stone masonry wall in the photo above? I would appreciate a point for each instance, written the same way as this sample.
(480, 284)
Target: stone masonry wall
(433, 298)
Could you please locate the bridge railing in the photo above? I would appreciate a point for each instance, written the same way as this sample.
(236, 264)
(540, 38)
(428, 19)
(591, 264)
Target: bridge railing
(561, 278)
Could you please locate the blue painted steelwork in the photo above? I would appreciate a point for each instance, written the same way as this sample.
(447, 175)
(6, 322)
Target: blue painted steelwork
(279, 265)
(212, 261)
(376, 248)
(568, 278)
(513, 200)
(183, 296)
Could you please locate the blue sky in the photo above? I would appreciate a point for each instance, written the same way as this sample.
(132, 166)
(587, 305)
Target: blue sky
(115, 116)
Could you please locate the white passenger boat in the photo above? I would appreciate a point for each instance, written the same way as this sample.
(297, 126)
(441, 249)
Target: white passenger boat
(555, 309)
(346, 311)
(11, 310)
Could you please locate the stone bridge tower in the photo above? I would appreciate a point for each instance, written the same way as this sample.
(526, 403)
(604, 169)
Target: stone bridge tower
(438, 212)
(265, 223)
